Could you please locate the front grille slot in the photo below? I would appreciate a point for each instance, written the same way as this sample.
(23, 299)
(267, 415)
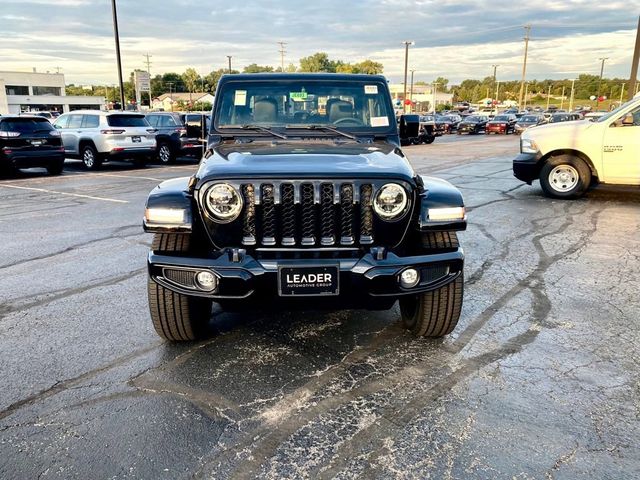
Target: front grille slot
(307, 214)
(185, 278)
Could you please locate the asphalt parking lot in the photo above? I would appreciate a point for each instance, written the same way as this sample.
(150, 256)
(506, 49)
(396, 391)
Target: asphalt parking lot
(539, 380)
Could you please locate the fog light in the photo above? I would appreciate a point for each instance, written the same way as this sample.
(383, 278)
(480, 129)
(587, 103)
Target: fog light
(206, 280)
(409, 278)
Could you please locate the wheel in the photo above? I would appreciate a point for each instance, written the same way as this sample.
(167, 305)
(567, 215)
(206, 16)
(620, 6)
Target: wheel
(433, 314)
(90, 157)
(176, 317)
(55, 168)
(565, 176)
(440, 241)
(165, 155)
(429, 140)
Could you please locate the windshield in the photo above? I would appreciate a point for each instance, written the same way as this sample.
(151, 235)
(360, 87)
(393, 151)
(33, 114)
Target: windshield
(529, 118)
(502, 118)
(612, 113)
(473, 119)
(127, 121)
(426, 118)
(290, 103)
(559, 118)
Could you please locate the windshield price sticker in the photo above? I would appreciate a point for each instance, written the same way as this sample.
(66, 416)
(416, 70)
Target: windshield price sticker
(298, 95)
(240, 98)
(379, 121)
(371, 89)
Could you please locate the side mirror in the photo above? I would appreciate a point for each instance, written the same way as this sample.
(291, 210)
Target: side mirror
(628, 120)
(409, 126)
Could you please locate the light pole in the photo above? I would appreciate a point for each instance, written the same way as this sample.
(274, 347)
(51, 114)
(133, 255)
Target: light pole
(435, 96)
(548, 96)
(119, 62)
(229, 57)
(600, 81)
(526, 91)
(573, 84)
(497, 94)
(406, 65)
(621, 93)
(562, 98)
(411, 94)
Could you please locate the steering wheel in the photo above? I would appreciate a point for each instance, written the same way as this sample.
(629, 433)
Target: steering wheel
(353, 121)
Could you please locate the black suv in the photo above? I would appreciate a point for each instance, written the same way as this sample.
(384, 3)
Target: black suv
(30, 141)
(305, 200)
(178, 134)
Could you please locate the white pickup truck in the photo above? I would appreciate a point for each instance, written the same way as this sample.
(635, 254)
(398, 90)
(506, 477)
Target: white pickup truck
(569, 157)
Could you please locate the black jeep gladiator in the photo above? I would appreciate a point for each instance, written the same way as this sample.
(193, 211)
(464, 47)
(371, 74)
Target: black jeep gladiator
(304, 199)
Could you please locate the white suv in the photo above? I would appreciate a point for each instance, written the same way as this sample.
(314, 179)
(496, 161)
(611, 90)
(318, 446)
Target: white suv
(96, 136)
(568, 157)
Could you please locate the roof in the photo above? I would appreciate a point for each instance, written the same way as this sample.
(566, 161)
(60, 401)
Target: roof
(104, 112)
(184, 96)
(299, 76)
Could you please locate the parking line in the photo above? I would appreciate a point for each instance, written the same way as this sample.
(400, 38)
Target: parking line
(128, 176)
(64, 193)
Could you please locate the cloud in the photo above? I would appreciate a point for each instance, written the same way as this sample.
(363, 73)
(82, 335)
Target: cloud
(454, 38)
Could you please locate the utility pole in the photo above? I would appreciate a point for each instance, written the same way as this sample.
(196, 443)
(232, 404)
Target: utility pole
(148, 62)
(562, 98)
(229, 57)
(406, 65)
(634, 65)
(282, 52)
(526, 91)
(411, 94)
(573, 84)
(600, 81)
(495, 68)
(527, 29)
(435, 96)
(621, 93)
(118, 60)
(171, 94)
(548, 96)
(497, 95)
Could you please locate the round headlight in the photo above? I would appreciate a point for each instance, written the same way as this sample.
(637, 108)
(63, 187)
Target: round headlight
(223, 202)
(390, 201)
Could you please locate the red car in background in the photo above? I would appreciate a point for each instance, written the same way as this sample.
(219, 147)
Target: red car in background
(502, 124)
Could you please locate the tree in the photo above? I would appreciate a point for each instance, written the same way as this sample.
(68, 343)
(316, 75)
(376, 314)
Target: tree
(318, 62)
(369, 67)
(443, 84)
(191, 79)
(211, 79)
(255, 68)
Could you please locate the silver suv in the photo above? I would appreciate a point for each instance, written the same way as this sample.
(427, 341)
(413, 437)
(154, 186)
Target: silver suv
(95, 136)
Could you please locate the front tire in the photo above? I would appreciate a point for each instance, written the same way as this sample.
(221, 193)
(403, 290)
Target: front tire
(433, 314)
(165, 155)
(176, 317)
(565, 176)
(90, 157)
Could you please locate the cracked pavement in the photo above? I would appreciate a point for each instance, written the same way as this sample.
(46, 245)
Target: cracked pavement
(539, 380)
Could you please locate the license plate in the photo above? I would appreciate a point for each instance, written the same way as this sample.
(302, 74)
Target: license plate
(136, 139)
(36, 143)
(309, 281)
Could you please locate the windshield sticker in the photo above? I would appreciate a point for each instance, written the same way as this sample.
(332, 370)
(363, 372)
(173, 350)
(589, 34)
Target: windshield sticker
(297, 96)
(371, 90)
(240, 99)
(379, 121)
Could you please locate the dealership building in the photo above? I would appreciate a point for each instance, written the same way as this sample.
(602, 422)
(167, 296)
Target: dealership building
(34, 91)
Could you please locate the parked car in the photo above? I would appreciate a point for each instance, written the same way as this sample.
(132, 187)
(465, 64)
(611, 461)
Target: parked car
(564, 117)
(427, 129)
(451, 121)
(174, 136)
(569, 157)
(501, 124)
(30, 141)
(472, 124)
(48, 115)
(527, 121)
(97, 136)
(282, 214)
(441, 125)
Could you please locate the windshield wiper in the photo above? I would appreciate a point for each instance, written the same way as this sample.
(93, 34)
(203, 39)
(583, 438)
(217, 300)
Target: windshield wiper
(259, 128)
(328, 128)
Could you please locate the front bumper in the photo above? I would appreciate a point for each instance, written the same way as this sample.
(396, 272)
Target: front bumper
(240, 275)
(526, 167)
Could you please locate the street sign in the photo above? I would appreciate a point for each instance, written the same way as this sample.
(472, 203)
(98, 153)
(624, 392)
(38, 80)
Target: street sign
(143, 82)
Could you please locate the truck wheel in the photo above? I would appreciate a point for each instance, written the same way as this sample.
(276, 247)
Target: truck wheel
(55, 168)
(565, 176)
(429, 140)
(176, 317)
(90, 157)
(433, 314)
(440, 241)
(165, 155)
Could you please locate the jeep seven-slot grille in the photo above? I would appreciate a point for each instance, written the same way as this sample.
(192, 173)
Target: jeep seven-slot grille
(307, 214)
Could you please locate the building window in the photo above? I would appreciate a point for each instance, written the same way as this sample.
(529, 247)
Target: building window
(17, 90)
(46, 90)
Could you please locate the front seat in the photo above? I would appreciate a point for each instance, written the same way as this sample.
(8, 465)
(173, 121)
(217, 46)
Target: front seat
(339, 109)
(265, 111)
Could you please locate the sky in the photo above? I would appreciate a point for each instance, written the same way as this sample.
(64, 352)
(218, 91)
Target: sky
(455, 39)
